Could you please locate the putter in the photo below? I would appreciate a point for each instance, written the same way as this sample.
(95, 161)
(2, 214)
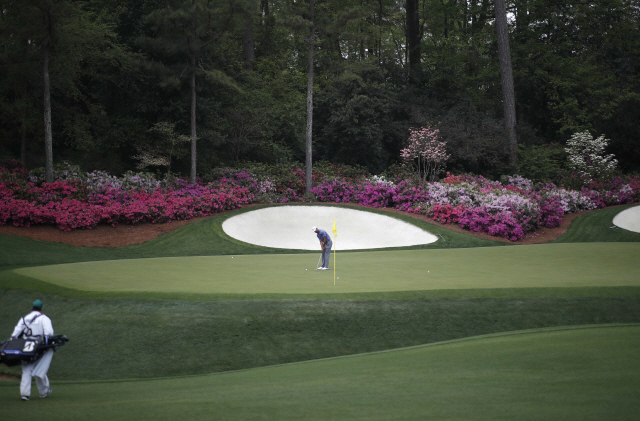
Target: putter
(318, 264)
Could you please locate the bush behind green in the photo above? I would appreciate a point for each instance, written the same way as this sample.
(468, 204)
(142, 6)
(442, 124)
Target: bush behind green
(541, 163)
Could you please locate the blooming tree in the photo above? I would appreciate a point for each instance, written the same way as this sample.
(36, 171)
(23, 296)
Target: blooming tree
(426, 153)
(167, 145)
(586, 155)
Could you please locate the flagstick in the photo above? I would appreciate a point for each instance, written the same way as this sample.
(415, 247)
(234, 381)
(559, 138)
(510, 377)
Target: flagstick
(335, 239)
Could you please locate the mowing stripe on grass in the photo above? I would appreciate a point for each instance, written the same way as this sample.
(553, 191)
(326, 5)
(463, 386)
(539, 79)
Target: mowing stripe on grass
(536, 266)
(583, 373)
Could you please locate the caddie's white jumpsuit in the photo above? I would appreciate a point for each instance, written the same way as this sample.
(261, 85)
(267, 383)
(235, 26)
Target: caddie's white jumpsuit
(40, 325)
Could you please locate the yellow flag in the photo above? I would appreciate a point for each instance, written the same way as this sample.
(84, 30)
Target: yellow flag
(334, 230)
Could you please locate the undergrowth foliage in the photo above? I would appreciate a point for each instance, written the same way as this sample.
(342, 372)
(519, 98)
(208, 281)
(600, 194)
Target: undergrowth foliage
(511, 208)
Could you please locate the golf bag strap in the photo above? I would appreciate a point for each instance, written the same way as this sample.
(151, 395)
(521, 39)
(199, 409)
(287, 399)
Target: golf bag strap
(27, 327)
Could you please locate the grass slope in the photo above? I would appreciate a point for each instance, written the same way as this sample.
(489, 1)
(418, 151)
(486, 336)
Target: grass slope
(597, 226)
(127, 338)
(586, 374)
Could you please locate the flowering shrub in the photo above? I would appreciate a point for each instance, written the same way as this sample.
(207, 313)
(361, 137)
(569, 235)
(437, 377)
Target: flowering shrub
(380, 179)
(501, 224)
(375, 195)
(334, 190)
(409, 197)
(569, 200)
(114, 207)
(551, 211)
(509, 209)
(446, 214)
(518, 207)
(61, 172)
(85, 200)
(452, 179)
(265, 188)
(455, 195)
(517, 181)
(266, 191)
(586, 156)
(614, 191)
(13, 171)
(425, 152)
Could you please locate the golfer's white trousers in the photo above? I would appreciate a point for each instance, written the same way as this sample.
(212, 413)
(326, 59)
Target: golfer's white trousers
(37, 369)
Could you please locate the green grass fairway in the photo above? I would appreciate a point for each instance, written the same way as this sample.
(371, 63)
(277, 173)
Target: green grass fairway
(588, 373)
(537, 266)
(195, 325)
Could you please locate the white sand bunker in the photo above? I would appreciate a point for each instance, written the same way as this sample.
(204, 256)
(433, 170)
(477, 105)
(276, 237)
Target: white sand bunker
(628, 219)
(290, 227)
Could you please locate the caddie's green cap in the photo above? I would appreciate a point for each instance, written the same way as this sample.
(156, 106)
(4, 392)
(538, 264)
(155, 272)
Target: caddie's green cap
(37, 304)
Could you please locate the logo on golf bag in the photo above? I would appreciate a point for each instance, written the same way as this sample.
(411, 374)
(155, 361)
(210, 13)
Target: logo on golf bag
(29, 346)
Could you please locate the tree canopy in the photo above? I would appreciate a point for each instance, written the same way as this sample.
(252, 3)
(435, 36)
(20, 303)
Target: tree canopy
(232, 75)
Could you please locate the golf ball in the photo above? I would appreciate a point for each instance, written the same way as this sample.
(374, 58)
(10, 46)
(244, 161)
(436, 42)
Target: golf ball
(338, 277)
(306, 269)
(428, 271)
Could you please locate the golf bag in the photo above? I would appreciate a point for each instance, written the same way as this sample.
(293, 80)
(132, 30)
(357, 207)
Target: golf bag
(28, 349)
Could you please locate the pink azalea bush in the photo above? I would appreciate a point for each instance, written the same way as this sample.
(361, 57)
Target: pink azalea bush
(72, 203)
(334, 190)
(446, 214)
(511, 208)
(499, 224)
(407, 196)
(375, 195)
(372, 192)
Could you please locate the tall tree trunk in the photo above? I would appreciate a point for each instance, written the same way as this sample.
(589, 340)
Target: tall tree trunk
(413, 34)
(506, 74)
(309, 137)
(48, 136)
(379, 40)
(248, 42)
(192, 84)
(23, 129)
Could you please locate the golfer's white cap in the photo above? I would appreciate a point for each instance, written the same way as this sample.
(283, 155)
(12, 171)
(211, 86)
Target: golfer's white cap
(314, 229)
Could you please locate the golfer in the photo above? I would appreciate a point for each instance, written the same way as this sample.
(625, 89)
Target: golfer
(35, 324)
(325, 245)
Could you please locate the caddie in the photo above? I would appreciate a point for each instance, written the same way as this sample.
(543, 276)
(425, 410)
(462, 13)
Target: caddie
(35, 324)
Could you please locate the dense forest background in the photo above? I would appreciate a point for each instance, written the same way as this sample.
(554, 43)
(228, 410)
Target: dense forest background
(121, 74)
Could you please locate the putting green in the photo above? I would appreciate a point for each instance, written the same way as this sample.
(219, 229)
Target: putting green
(585, 373)
(548, 265)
